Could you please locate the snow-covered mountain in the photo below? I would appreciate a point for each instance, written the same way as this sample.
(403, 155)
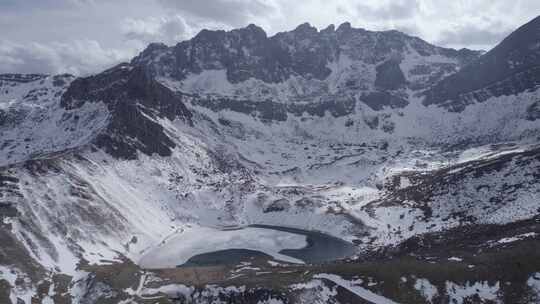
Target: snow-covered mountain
(427, 159)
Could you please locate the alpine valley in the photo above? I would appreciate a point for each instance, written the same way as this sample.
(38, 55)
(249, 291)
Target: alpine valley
(313, 166)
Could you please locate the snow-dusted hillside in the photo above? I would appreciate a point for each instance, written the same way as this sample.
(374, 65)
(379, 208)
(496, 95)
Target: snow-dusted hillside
(318, 130)
(32, 122)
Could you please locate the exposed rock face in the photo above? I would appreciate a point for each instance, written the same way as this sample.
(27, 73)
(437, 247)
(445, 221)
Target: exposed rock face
(389, 76)
(533, 111)
(244, 53)
(135, 101)
(275, 111)
(328, 63)
(379, 100)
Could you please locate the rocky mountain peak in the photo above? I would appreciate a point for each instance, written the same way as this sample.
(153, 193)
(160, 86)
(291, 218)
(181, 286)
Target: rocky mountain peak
(344, 27)
(248, 53)
(255, 30)
(329, 29)
(305, 28)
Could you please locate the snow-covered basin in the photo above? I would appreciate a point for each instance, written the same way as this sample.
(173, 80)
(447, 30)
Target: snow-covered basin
(213, 244)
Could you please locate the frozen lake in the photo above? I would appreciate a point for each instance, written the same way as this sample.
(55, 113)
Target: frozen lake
(201, 246)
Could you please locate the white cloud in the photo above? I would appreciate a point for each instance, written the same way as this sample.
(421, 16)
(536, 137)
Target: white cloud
(166, 29)
(78, 57)
(230, 12)
(84, 36)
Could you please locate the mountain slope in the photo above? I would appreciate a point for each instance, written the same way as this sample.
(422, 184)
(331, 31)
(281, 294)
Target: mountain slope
(508, 69)
(330, 131)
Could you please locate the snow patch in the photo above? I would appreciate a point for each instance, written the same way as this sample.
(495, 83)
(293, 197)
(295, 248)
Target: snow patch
(485, 291)
(428, 290)
(356, 289)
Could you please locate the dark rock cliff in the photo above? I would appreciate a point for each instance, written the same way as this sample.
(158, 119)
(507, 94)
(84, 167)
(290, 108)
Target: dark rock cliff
(135, 100)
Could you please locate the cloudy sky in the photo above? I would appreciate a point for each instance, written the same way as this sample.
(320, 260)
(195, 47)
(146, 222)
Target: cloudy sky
(86, 36)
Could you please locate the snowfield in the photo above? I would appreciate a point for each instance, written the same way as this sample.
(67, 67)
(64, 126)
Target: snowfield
(309, 172)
